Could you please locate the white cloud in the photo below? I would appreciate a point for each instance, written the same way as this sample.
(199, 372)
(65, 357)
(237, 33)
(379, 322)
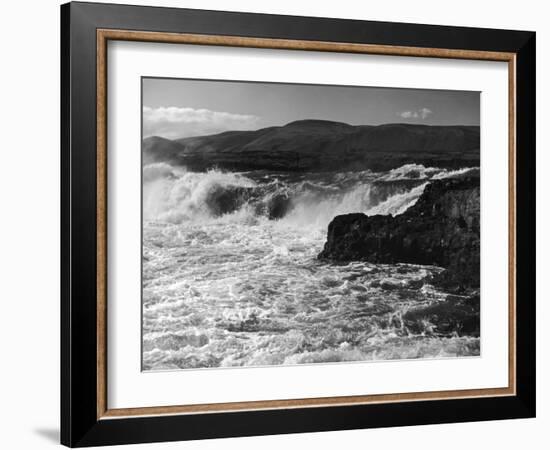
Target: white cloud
(408, 114)
(173, 122)
(425, 112)
(422, 113)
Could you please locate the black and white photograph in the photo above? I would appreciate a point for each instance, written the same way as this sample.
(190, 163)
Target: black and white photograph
(290, 224)
(275, 225)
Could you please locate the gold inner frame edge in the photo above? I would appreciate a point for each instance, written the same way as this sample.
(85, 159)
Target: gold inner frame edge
(103, 36)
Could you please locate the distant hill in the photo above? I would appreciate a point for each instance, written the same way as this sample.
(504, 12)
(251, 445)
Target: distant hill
(321, 145)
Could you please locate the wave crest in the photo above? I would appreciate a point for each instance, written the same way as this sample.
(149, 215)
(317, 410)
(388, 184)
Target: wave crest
(174, 195)
(191, 195)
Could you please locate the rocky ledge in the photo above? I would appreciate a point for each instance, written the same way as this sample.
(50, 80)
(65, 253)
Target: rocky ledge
(441, 228)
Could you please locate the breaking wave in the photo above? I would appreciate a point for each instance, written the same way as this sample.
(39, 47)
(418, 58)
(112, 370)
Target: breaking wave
(419, 172)
(231, 276)
(176, 196)
(173, 195)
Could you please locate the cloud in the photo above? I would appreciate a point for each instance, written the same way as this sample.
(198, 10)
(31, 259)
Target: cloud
(173, 122)
(422, 113)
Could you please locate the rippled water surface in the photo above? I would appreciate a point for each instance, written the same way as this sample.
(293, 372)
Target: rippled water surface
(240, 287)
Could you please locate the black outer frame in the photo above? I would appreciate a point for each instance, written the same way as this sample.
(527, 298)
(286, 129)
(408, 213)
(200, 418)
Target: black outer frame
(79, 423)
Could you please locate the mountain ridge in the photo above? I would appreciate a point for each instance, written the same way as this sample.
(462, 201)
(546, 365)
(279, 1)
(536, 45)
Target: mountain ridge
(312, 144)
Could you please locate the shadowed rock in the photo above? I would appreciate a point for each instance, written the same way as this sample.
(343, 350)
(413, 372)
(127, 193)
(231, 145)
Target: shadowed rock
(228, 199)
(441, 228)
(460, 316)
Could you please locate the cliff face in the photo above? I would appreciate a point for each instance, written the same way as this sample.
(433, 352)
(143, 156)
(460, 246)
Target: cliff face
(321, 145)
(441, 229)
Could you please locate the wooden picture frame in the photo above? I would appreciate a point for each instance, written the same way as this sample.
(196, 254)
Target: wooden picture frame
(86, 418)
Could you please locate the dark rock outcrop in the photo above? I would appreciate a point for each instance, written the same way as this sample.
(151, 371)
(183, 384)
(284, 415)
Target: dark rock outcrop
(441, 228)
(454, 315)
(228, 199)
(321, 145)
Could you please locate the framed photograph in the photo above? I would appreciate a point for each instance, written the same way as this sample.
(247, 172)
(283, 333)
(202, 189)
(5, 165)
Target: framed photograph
(277, 224)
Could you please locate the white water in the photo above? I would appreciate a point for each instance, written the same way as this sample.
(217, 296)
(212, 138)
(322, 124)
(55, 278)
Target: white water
(240, 289)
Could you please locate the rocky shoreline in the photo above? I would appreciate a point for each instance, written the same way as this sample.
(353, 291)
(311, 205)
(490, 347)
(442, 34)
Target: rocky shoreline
(443, 229)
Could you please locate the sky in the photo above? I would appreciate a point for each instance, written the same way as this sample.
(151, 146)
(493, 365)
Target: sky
(176, 108)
